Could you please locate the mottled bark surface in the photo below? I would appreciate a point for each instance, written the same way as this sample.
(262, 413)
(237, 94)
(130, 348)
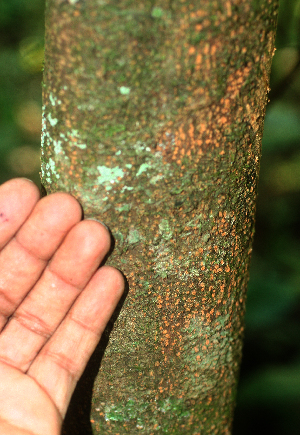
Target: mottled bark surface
(153, 117)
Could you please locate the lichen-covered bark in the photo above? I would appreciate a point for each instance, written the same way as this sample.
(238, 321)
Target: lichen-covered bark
(153, 117)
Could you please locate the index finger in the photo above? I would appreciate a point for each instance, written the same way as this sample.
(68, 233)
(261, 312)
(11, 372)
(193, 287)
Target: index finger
(17, 200)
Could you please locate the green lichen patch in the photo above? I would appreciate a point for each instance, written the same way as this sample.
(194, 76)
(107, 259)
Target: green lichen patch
(109, 176)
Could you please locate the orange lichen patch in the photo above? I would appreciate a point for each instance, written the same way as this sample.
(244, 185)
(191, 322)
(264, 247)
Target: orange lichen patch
(213, 50)
(198, 59)
(222, 120)
(236, 80)
(228, 8)
(175, 145)
(206, 49)
(68, 123)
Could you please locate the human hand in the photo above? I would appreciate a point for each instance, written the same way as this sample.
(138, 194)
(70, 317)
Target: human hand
(54, 304)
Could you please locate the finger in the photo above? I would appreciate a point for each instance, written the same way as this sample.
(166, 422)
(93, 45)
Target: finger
(62, 360)
(24, 258)
(17, 199)
(48, 302)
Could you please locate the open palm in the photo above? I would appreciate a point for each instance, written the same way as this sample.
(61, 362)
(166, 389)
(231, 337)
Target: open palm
(54, 304)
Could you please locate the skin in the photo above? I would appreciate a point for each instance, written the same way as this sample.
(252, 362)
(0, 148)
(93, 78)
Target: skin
(55, 302)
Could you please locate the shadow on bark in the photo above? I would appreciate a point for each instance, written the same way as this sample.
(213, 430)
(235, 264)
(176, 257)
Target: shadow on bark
(77, 420)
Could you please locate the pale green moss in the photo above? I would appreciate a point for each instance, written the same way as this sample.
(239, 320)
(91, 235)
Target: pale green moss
(109, 176)
(142, 168)
(133, 236)
(124, 90)
(57, 146)
(133, 410)
(52, 121)
(208, 351)
(53, 99)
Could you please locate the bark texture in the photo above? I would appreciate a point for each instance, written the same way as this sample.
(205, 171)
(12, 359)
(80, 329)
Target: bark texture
(153, 116)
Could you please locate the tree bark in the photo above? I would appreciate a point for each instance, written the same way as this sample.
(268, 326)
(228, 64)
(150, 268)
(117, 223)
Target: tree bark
(153, 117)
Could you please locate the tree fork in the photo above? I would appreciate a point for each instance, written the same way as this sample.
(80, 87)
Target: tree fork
(153, 117)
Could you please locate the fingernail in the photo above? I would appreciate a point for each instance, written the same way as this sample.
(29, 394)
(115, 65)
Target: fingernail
(28, 179)
(100, 222)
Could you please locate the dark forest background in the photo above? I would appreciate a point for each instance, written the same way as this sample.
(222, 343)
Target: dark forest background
(269, 392)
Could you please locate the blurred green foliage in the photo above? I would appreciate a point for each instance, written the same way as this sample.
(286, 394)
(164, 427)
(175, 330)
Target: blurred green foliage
(21, 57)
(269, 392)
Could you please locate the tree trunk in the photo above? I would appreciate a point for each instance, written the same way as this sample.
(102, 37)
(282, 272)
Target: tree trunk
(153, 116)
